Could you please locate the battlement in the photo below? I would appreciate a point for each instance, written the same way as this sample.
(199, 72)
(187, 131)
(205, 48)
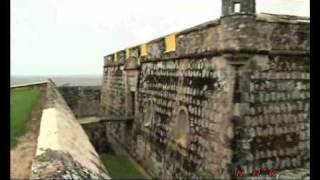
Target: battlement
(234, 33)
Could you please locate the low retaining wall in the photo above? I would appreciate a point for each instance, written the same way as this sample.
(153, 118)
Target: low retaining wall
(29, 84)
(64, 150)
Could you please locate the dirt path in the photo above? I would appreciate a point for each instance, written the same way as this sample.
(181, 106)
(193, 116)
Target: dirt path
(22, 155)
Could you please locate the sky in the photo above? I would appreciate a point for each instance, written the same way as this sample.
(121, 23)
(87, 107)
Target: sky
(71, 37)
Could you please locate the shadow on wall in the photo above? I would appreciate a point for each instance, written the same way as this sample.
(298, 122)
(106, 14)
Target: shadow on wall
(98, 136)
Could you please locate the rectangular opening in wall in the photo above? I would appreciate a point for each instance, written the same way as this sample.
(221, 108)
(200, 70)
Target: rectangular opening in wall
(236, 7)
(129, 125)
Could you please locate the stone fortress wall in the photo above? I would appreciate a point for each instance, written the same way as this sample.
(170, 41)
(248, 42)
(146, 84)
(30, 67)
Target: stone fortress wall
(84, 101)
(227, 93)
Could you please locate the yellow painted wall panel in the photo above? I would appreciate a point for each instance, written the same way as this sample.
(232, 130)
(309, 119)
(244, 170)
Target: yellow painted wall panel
(170, 42)
(115, 57)
(128, 53)
(143, 50)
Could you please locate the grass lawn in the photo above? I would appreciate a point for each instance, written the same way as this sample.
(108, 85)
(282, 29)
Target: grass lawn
(22, 101)
(120, 167)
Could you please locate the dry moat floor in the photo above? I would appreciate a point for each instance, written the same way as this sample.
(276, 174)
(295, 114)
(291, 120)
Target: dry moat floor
(120, 167)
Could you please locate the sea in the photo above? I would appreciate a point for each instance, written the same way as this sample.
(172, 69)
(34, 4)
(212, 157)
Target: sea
(61, 80)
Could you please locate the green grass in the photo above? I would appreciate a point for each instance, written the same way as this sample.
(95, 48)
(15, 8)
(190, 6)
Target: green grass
(120, 167)
(22, 101)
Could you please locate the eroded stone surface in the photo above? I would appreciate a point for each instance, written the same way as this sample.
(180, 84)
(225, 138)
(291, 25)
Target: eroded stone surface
(54, 164)
(244, 80)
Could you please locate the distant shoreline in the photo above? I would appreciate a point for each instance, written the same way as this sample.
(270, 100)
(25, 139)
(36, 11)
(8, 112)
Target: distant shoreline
(83, 75)
(60, 80)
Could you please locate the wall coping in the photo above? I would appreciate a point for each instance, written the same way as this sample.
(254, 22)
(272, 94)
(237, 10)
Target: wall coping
(29, 84)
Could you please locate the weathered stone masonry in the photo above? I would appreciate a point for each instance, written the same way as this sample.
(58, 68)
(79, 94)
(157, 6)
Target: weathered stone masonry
(83, 100)
(234, 91)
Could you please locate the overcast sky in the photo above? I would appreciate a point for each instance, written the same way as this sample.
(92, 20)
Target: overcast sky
(70, 37)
